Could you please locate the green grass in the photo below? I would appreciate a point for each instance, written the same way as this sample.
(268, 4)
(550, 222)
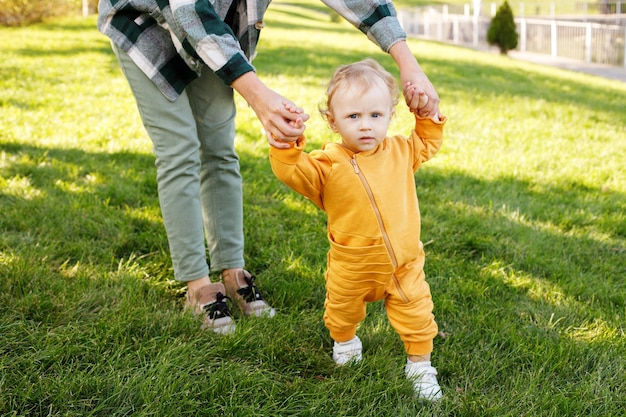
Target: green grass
(524, 215)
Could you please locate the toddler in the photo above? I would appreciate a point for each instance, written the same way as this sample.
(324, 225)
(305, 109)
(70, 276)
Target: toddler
(366, 186)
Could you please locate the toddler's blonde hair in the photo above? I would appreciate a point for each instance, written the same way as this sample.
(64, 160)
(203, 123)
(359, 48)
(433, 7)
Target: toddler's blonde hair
(361, 74)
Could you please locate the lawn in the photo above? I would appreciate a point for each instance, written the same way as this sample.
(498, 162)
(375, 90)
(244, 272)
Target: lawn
(524, 221)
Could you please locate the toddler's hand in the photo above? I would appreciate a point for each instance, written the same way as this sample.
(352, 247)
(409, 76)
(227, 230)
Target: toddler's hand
(295, 118)
(298, 122)
(413, 95)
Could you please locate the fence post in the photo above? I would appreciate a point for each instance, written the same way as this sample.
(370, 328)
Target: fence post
(553, 39)
(440, 29)
(588, 38)
(624, 57)
(523, 35)
(476, 26)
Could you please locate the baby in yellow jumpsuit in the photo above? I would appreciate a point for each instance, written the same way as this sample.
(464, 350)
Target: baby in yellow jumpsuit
(366, 186)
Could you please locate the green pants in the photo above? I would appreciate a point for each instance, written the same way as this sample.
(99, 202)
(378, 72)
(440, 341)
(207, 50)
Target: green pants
(198, 176)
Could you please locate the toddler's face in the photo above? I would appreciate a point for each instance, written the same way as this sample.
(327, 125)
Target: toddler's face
(361, 117)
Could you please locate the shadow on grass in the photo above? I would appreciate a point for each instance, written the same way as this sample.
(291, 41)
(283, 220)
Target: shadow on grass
(517, 271)
(78, 206)
(567, 234)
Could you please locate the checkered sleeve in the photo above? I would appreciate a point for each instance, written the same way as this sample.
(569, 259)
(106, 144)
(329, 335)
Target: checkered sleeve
(203, 33)
(376, 18)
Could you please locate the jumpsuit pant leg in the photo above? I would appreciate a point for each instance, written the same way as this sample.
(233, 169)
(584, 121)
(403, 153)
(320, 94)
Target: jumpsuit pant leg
(343, 311)
(409, 308)
(199, 183)
(355, 276)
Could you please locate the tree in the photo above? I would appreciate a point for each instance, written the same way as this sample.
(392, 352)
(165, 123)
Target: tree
(502, 31)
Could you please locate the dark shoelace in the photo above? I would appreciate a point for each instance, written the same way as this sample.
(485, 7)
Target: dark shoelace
(218, 308)
(250, 293)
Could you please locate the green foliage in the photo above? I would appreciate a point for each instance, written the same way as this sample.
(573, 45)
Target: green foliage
(25, 12)
(523, 215)
(502, 31)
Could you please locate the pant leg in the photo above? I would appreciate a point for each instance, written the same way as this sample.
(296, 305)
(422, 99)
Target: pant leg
(220, 180)
(409, 310)
(355, 276)
(172, 129)
(343, 310)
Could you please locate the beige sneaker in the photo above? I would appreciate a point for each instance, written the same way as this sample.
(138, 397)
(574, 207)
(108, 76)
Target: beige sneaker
(240, 285)
(210, 301)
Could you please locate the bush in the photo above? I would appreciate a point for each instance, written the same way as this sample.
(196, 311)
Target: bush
(25, 12)
(502, 31)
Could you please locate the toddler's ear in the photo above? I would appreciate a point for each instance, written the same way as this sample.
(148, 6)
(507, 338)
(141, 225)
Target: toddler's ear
(331, 121)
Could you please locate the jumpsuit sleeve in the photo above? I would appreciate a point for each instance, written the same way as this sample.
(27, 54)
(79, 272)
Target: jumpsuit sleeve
(304, 173)
(427, 138)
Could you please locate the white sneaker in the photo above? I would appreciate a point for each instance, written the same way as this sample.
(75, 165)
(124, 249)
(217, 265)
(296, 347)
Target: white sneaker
(344, 352)
(424, 379)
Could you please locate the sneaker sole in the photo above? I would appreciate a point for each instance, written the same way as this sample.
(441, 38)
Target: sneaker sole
(223, 326)
(259, 309)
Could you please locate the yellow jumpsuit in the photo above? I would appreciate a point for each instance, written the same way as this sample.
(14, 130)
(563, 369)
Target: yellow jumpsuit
(373, 229)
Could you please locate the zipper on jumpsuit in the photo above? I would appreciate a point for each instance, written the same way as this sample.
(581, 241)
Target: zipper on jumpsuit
(392, 255)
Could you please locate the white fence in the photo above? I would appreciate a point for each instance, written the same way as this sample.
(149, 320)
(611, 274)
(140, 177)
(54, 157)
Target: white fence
(582, 40)
(527, 8)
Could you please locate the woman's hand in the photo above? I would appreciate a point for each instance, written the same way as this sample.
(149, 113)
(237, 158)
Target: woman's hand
(282, 120)
(411, 74)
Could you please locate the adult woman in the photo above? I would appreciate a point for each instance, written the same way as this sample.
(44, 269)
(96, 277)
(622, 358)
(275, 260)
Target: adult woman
(182, 60)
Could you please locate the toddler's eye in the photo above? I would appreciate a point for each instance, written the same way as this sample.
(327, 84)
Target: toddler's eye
(353, 116)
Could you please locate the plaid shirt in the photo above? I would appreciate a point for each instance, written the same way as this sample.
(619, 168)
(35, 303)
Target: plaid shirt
(171, 40)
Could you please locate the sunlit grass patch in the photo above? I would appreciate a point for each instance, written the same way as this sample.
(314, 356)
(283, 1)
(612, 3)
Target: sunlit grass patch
(523, 216)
